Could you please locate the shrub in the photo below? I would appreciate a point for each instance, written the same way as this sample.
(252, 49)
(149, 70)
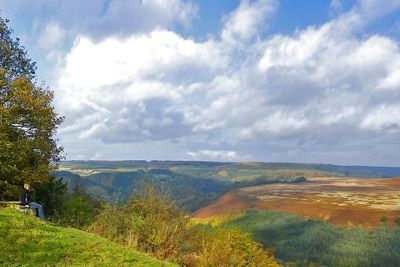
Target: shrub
(231, 247)
(147, 222)
(150, 223)
(77, 211)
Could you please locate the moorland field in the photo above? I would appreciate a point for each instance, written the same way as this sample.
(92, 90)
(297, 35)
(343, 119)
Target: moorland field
(344, 201)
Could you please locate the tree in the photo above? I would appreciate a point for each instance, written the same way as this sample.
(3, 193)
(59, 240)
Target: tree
(51, 194)
(14, 57)
(28, 121)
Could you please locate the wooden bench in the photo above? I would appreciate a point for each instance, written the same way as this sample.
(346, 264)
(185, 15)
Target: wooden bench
(16, 205)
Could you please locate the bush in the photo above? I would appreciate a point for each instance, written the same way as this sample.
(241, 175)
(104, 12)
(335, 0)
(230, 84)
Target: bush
(147, 222)
(77, 211)
(231, 247)
(150, 223)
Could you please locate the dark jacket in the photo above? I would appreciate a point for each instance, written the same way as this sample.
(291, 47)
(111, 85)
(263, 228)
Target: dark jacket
(25, 197)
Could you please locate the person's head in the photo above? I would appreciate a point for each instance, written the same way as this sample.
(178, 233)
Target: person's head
(27, 186)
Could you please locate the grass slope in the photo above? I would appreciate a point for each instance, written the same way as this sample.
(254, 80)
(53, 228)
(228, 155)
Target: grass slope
(27, 241)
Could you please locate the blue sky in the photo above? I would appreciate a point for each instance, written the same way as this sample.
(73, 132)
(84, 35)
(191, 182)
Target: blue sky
(227, 80)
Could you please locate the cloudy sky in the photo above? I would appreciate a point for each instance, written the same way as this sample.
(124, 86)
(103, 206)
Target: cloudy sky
(226, 80)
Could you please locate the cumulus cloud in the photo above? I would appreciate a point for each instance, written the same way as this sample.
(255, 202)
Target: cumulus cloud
(131, 89)
(315, 93)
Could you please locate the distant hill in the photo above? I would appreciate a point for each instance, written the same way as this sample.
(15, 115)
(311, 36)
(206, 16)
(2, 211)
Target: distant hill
(362, 171)
(189, 192)
(191, 184)
(27, 241)
(195, 184)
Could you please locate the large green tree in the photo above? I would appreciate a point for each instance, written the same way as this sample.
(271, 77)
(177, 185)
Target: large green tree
(28, 121)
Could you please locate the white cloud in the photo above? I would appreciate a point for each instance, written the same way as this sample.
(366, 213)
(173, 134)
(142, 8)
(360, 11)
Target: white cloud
(383, 118)
(125, 85)
(247, 20)
(124, 17)
(327, 86)
(51, 36)
(337, 5)
(214, 155)
(160, 55)
(161, 85)
(276, 124)
(178, 10)
(372, 9)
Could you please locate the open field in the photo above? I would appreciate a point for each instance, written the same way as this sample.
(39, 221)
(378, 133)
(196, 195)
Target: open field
(344, 201)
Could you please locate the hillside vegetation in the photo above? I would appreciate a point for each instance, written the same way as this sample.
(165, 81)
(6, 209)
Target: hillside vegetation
(151, 224)
(302, 242)
(344, 201)
(28, 241)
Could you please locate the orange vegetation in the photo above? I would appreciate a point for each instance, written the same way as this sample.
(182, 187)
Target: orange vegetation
(343, 201)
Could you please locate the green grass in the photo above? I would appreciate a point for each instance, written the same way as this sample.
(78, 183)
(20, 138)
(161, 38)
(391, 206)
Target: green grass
(28, 241)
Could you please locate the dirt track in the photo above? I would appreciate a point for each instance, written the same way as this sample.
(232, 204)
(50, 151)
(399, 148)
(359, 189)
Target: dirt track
(343, 201)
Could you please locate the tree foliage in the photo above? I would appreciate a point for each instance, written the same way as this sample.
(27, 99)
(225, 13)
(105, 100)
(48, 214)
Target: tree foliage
(28, 121)
(52, 195)
(231, 247)
(14, 57)
(301, 242)
(76, 211)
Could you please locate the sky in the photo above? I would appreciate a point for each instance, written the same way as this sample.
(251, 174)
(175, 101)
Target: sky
(227, 80)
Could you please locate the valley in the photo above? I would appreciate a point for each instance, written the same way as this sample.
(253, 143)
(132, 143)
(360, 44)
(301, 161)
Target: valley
(344, 201)
(308, 214)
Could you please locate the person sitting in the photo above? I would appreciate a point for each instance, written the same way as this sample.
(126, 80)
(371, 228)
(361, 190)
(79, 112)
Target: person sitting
(25, 200)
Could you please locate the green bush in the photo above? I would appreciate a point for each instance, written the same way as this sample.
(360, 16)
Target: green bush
(76, 211)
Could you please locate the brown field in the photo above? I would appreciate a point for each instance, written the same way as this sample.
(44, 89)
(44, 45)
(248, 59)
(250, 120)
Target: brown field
(343, 201)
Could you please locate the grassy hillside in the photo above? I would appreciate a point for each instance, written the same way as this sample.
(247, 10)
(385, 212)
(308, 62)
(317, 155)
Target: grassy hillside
(27, 241)
(303, 241)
